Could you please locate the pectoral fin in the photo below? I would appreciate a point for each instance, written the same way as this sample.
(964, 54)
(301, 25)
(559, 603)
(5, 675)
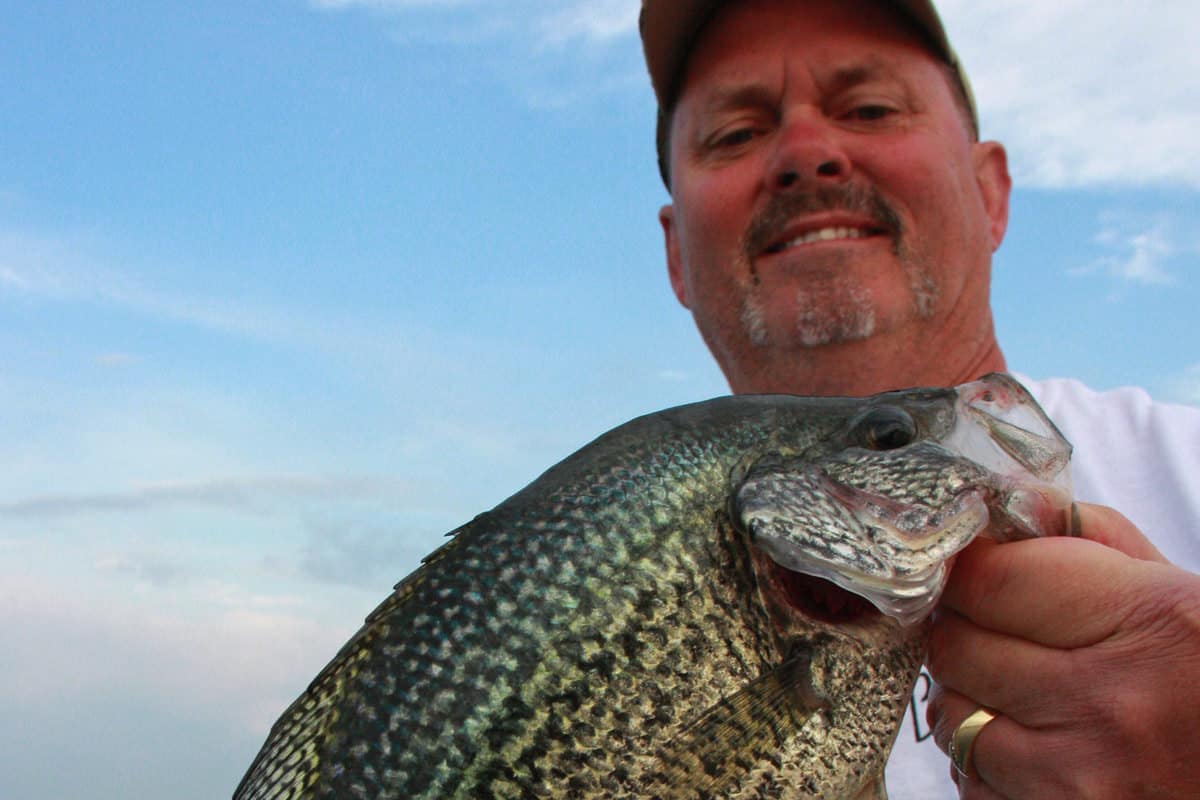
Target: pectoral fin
(716, 752)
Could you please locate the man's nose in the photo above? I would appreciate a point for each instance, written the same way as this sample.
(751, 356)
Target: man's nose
(807, 152)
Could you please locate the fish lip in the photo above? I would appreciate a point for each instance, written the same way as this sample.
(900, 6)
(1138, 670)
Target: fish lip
(802, 226)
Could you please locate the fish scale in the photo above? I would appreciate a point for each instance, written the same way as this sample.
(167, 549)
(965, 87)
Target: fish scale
(616, 629)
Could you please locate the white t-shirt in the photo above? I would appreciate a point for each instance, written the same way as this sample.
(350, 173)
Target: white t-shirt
(1131, 453)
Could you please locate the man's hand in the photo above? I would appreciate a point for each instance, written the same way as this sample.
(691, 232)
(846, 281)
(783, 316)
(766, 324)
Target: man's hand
(1088, 650)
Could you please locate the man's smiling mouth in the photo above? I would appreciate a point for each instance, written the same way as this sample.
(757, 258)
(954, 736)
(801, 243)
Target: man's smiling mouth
(826, 234)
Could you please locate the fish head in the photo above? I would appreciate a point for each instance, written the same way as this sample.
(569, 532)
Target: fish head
(902, 482)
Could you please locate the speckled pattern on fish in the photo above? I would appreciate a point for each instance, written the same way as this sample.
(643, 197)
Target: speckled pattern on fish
(617, 629)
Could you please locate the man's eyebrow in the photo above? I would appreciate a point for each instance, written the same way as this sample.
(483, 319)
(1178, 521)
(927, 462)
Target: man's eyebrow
(871, 69)
(735, 96)
(750, 95)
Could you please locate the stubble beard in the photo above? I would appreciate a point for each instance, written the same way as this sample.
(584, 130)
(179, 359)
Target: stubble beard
(847, 312)
(819, 319)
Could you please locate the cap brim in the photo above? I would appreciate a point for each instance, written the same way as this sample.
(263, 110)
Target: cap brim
(669, 29)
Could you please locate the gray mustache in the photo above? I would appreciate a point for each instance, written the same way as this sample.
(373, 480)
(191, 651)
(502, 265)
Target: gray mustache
(784, 207)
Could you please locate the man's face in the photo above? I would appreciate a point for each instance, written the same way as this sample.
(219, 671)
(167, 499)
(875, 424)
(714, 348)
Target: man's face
(825, 189)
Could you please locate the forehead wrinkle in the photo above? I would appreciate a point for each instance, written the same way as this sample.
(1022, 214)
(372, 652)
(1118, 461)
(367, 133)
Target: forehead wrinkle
(870, 68)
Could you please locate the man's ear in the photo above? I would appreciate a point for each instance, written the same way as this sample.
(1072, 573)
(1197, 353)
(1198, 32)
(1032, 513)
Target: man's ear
(991, 174)
(666, 216)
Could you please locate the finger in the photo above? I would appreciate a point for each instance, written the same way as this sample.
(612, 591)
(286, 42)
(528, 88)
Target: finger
(975, 789)
(946, 711)
(1061, 592)
(972, 788)
(1008, 759)
(1112, 529)
(996, 670)
(1017, 762)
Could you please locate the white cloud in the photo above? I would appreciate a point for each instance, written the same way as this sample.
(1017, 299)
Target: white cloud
(1086, 93)
(1136, 255)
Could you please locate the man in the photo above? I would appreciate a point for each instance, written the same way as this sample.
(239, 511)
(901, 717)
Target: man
(832, 219)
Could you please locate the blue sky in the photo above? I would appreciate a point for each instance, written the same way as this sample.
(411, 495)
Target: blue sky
(288, 290)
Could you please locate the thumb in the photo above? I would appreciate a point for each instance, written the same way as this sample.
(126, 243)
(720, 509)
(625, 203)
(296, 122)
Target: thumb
(1112, 529)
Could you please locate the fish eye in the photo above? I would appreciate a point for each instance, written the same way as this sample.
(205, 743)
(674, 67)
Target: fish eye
(887, 428)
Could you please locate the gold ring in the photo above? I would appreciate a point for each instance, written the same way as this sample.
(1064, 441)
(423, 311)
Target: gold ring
(962, 742)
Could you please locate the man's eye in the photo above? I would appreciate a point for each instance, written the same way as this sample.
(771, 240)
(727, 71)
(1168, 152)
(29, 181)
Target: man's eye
(734, 138)
(869, 113)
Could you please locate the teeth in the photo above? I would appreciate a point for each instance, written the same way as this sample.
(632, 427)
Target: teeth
(824, 235)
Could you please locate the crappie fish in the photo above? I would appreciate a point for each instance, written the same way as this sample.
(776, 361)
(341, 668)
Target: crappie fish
(724, 599)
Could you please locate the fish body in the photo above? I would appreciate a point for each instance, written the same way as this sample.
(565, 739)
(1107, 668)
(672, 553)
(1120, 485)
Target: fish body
(659, 615)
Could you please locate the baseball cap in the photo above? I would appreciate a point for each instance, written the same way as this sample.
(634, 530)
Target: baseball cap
(669, 29)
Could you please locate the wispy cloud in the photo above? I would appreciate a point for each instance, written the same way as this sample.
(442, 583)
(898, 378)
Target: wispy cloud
(72, 271)
(363, 555)
(257, 495)
(37, 268)
(551, 24)
(1139, 249)
(1136, 256)
(153, 569)
(590, 21)
(552, 56)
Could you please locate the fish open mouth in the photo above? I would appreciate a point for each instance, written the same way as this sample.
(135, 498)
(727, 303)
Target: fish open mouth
(819, 599)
